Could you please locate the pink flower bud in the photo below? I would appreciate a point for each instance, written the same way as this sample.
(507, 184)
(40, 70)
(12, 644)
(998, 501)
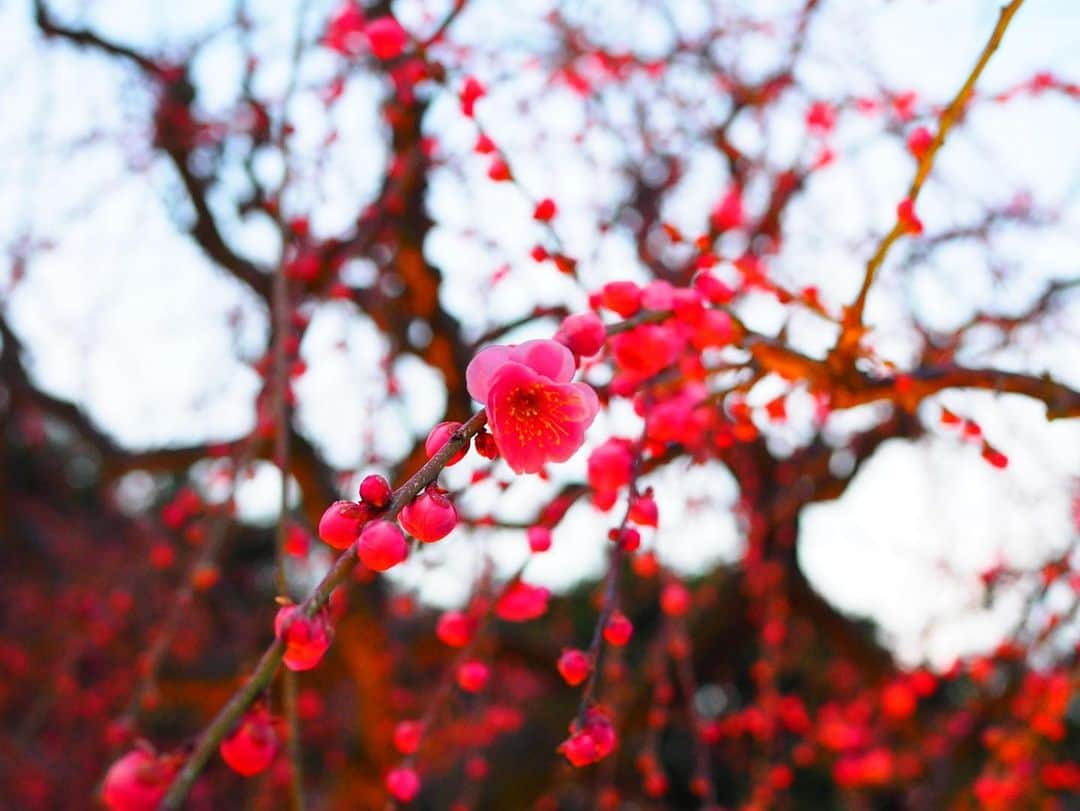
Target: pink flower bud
(340, 525)
(918, 141)
(714, 290)
(375, 490)
(610, 465)
(583, 334)
(439, 436)
(429, 517)
(658, 295)
(382, 546)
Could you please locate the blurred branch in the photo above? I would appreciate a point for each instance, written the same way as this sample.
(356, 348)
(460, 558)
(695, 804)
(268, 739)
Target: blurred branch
(49, 26)
(311, 471)
(204, 230)
(220, 522)
(281, 309)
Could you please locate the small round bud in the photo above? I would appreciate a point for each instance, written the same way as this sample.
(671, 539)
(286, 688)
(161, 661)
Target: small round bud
(382, 546)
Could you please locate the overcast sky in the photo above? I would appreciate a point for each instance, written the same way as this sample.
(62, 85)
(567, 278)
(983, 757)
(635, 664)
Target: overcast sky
(123, 315)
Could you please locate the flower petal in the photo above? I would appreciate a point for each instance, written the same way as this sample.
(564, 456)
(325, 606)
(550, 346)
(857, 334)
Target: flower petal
(535, 421)
(590, 403)
(482, 368)
(546, 357)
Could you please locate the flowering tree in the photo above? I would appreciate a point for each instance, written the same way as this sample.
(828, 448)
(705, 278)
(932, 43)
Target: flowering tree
(163, 651)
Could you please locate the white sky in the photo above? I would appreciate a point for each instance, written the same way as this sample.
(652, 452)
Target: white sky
(124, 316)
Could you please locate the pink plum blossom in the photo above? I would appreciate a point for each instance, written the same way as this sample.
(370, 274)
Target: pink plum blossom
(536, 414)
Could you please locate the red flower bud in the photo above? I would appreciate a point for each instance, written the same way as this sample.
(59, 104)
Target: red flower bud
(403, 783)
(574, 666)
(297, 541)
(429, 517)
(618, 630)
(592, 742)
(439, 436)
(341, 523)
(455, 628)
(610, 465)
(252, 747)
(486, 445)
(471, 92)
(472, 676)
(623, 298)
(375, 490)
(643, 511)
(539, 539)
(522, 602)
(137, 781)
(386, 37)
(675, 599)
(728, 213)
(905, 214)
(306, 638)
(583, 334)
(382, 546)
(545, 210)
(407, 735)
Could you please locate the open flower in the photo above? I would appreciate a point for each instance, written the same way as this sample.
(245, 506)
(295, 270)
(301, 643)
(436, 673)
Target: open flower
(536, 414)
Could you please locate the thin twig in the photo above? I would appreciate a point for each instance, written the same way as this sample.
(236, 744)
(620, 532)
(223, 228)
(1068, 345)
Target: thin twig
(853, 320)
(280, 309)
(610, 600)
(264, 671)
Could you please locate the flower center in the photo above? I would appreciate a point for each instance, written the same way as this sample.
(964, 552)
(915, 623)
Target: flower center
(525, 402)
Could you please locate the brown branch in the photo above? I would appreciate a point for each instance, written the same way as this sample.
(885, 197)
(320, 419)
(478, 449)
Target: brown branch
(84, 37)
(909, 390)
(280, 311)
(204, 230)
(610, 600)
(264, 671)
(853, 317)
(1039, 307)
(848, 387)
